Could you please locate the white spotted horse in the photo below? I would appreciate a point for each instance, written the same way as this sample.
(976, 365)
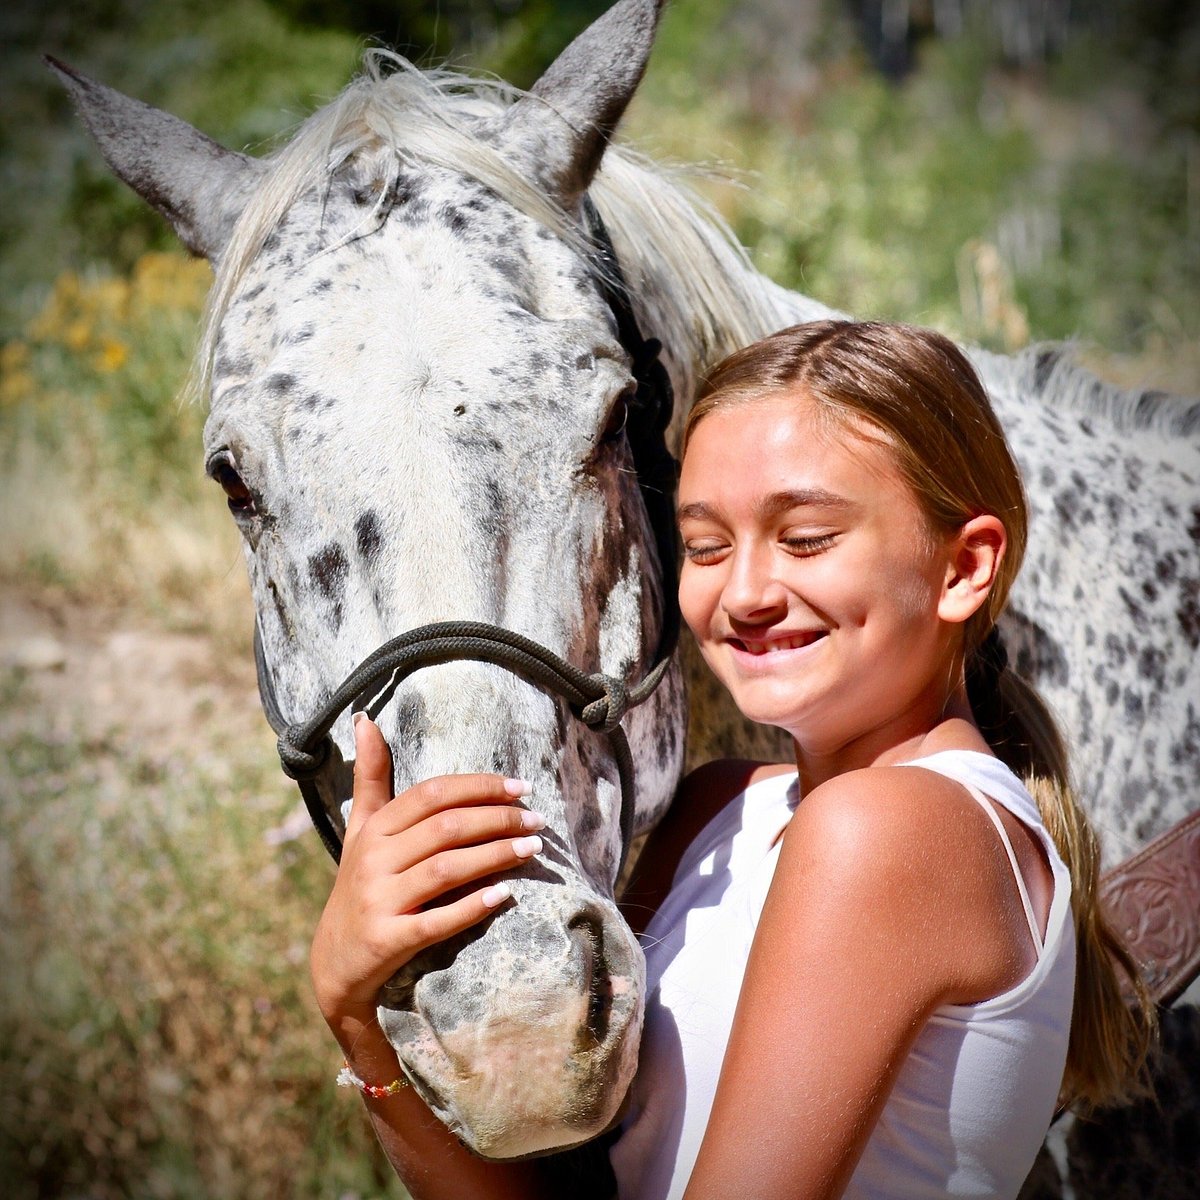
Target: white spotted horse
(434, 414)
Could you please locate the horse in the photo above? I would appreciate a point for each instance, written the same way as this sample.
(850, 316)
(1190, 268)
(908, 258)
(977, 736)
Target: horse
(418, 396)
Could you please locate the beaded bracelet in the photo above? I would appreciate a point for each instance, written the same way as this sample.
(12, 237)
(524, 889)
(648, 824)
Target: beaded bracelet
(347, 1078)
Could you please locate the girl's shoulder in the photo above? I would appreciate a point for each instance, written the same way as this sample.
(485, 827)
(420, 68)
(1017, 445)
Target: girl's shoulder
(703, 793)
(885, 802)
(914, 849)
(880, 818)
(898, 820)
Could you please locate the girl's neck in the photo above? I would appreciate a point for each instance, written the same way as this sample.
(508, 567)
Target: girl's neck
(953, 728)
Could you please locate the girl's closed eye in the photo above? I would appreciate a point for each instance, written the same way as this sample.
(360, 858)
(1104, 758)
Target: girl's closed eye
(703, 552)
(802, 546)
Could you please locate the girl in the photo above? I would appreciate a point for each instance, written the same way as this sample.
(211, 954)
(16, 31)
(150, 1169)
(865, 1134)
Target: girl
(875, 973)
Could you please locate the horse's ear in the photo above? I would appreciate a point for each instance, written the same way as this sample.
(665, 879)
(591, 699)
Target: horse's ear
(199, 186)
(565, 122)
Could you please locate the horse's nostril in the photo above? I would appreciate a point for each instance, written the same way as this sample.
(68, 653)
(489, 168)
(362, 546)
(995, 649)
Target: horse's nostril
(587, 931)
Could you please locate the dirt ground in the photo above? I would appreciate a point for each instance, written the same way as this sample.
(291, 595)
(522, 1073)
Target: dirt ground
(121, 681)
(109, 673)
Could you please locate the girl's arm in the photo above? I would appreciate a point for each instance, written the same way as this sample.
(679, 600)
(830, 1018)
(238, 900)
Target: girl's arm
(431, 1161)
(886, 903)
(399, 857)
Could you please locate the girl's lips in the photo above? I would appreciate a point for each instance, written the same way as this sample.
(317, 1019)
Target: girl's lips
(765, 647)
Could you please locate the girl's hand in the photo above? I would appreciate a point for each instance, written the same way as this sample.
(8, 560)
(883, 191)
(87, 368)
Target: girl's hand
(400, 855)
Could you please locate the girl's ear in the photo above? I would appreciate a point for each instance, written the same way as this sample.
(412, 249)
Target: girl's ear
(975, 554)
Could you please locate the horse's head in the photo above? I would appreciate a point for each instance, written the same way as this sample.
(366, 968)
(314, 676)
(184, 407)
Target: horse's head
(417, 398)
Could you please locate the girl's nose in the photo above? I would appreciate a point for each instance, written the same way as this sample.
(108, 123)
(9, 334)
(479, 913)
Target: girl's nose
(753, 594)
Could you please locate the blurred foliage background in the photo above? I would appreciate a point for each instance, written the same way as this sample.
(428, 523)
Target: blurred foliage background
(1008, 171)
(880, 162)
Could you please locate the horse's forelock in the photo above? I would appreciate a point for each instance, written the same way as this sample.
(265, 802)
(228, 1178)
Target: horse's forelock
(382, 120)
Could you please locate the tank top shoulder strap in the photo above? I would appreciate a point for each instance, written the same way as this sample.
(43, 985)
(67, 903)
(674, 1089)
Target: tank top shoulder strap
(1006, 841)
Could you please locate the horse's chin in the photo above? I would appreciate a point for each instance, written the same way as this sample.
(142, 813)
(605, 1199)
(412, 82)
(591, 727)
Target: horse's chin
(533, 1060)
(522, 1097)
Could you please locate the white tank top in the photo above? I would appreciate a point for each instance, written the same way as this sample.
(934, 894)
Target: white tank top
(975, 1096)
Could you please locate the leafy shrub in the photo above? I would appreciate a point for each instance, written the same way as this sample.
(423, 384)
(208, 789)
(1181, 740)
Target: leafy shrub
(101, 484)
(1000, 206)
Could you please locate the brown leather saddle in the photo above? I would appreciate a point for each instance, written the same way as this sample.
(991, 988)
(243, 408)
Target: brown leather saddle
(1153, 900)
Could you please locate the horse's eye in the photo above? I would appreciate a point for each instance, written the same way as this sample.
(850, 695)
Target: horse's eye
(618, 415)
(240, 497)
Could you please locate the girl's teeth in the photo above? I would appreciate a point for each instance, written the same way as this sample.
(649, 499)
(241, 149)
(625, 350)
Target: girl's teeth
(793, 643)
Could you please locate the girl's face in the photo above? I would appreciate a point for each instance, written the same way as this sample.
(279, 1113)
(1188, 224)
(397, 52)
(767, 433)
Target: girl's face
(811, 577)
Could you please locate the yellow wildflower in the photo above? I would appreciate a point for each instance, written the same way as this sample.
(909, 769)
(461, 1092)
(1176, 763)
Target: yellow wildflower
(77, 334)
(112, 297)
(14, 355)
(112, 356)
(15, 388)
(170, 281)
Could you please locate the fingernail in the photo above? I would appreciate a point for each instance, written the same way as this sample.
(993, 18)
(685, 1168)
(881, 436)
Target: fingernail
(532, 820)
(496, 894)
(518, 787)
(358, 716)
(527, 847)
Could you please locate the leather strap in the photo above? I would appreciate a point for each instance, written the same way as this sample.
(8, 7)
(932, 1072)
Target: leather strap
(1153, 901)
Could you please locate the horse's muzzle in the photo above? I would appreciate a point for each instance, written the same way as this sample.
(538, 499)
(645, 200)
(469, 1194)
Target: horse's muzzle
(529, 1043)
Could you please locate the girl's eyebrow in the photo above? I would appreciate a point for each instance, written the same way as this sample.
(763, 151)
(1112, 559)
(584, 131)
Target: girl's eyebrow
(772, 505)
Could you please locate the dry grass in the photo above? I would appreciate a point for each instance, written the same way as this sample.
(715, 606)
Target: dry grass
(158, 1037)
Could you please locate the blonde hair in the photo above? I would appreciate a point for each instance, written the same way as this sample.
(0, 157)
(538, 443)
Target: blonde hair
(920, 390)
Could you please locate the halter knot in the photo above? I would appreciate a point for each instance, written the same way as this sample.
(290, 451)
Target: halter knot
(605, 712)
(298, 763)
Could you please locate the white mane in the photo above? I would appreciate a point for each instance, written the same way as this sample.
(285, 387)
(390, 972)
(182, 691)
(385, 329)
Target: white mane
(669, 240)
(1050, 371)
